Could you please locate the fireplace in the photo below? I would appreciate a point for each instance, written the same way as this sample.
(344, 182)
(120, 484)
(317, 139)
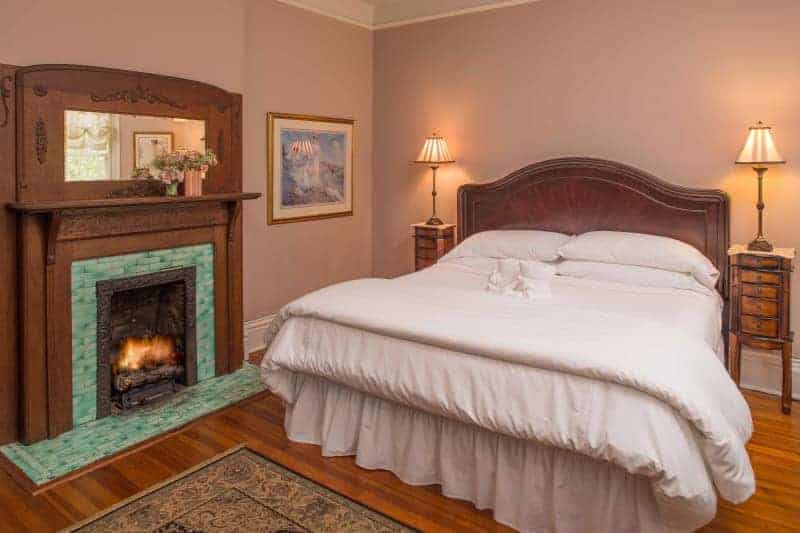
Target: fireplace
(146, 342)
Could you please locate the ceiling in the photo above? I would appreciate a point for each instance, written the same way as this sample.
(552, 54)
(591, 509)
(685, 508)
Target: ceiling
(377, 14)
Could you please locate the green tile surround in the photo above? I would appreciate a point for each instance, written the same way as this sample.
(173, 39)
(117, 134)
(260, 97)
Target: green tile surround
(86, 273)
(50, 459)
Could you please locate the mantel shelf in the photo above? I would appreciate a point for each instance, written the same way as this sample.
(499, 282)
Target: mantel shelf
(50, 207)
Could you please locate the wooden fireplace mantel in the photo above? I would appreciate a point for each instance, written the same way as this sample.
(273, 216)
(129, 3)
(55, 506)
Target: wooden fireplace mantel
(147, 201)
(53, 234)
(47, 223)
(124, 216)
(106, 211)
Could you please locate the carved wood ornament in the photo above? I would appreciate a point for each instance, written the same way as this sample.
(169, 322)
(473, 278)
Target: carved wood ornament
(135, 95)
(5, 94)
(41, 141)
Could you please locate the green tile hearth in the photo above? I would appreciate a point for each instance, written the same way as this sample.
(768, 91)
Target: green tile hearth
(50, 459)
(85, 275)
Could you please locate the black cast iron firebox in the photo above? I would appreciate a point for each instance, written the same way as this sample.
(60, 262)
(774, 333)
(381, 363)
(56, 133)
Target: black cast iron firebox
(118, 314)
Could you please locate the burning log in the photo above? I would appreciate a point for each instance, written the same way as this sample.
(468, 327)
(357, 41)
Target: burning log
(136, 353)
(130, 379)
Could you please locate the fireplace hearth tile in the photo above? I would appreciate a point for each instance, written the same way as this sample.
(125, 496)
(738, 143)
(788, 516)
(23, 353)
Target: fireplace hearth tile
(86, 273)
(50, 459)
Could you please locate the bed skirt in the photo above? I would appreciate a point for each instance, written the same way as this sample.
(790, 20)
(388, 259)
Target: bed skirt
(528, 486)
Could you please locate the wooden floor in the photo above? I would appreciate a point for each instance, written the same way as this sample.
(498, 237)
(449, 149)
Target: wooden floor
(257, 422)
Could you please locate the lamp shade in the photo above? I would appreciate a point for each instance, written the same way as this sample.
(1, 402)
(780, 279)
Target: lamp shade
(759, 148)
(435, 151)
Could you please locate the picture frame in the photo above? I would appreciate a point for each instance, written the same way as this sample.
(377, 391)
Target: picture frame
(309, 167)
(146, 145)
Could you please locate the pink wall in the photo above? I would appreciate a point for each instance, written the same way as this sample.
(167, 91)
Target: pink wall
(300, 62)
(281, 59)
(669, 86)
(198, 39)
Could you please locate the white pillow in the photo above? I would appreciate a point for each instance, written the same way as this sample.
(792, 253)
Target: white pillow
(630, 275)
(639, 249)
(511, 244)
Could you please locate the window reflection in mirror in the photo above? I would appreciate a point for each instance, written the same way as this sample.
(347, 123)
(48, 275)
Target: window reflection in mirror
(111, 146)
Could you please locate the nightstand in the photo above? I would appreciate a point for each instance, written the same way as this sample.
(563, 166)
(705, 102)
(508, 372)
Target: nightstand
(431, 243)
(760, 300)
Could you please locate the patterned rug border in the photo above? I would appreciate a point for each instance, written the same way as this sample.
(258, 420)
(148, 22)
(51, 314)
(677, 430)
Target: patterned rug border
(158, 486)
(204, 464)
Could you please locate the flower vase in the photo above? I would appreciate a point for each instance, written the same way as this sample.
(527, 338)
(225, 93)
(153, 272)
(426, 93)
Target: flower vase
(193, 183)
(172, 188)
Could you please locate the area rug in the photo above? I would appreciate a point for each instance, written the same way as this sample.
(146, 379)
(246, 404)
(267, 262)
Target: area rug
(51, 459)
(238, 491)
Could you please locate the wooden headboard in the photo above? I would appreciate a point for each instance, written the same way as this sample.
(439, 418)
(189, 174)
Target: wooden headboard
(577, 194)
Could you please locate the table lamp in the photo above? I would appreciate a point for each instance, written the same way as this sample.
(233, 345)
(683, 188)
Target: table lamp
(759, 150)
(434, 153)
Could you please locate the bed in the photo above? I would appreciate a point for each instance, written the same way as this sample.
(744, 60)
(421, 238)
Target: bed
(605, 406)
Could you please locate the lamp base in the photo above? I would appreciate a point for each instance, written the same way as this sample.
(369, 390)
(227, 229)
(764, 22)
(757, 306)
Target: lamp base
(434, 221)
(760, 244)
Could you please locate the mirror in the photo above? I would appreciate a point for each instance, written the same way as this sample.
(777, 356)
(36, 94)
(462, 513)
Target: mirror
(111, 146)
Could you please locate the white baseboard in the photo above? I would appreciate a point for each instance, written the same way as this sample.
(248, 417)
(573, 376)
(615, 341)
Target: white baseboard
(762, 372)
(254, 331)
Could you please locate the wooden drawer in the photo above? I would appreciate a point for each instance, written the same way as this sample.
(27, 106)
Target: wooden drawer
(759, 307)
(424, 242)
(427, 253)
(757, 276)
(423, 263)
(766, 327)
(759, 262)
(433, 233)
(760, 291)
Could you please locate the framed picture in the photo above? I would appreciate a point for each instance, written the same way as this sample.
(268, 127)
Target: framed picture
(146, 145)
(309, 167)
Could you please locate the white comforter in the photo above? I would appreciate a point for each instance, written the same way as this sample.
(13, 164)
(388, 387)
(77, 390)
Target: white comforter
(600, 369)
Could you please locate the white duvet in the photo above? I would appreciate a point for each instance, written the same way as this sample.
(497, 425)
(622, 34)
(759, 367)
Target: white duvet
(622, 374)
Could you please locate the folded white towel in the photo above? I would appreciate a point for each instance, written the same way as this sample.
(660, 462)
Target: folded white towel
(526, 279)
(534, 289)
(534, 279)
(504, 277)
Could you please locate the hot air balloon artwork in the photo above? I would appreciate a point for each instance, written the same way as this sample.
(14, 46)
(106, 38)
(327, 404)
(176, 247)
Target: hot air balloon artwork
(310, 173)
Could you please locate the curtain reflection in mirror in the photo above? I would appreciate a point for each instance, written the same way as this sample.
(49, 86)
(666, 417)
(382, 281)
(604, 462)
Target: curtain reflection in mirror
(90, 150)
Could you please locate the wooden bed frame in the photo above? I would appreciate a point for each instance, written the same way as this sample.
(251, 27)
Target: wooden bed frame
(578, 194)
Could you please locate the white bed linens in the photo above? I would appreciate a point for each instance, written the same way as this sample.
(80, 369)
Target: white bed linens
(528, 486)
(617, 373)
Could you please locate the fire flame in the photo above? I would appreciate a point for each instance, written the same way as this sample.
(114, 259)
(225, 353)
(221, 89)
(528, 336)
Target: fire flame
(146, 352)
